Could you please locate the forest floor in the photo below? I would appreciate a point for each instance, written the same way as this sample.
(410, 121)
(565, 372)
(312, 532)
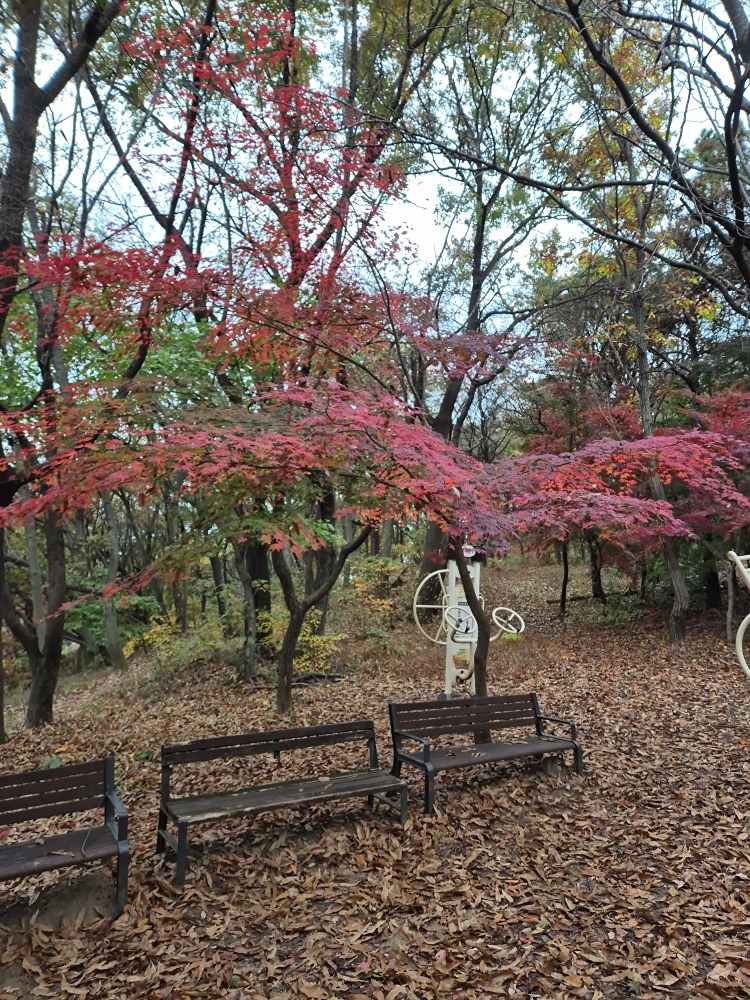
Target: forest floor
(630, 881)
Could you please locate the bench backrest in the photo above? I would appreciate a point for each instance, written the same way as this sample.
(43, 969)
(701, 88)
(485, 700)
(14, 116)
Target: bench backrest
(465, 715)
(55, 791)
(274, 741)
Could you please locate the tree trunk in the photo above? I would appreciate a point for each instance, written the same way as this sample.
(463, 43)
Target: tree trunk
(319, 563)
(680, 592)
(565, 578)
(286, 659)
(258, 566)
(386, 537)
(111, 631)
(298, 610)
(595, 562)
(375, 542)
(711, 584)
(3, 734)
(481, 651)
(217, 573)
(35, 578)
(433, 559)
(483, 626)
(249, 612)
(45, 662)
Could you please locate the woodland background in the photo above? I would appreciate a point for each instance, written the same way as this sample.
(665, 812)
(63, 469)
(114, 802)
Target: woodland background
(243, 411)
(232, 380)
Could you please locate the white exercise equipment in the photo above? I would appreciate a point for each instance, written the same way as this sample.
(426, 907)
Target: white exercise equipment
(743, 567)
(447, 620)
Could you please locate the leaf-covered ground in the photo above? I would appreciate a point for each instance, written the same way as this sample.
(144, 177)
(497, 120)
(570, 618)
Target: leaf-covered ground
(529, 882)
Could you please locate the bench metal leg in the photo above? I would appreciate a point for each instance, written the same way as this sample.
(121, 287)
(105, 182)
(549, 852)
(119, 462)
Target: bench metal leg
(396, 769)
(161, 827)
(404, 804)
(182, 831)
(123, 862)
(578, 759)
(429, 789)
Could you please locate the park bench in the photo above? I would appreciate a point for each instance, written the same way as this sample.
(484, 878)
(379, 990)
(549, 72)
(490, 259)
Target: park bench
(418, 723)
(263, 796)
(30, 796)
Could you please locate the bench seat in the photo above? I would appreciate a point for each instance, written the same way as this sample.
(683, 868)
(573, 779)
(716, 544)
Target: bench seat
(59, 851)
(283, 794)
(443, 759)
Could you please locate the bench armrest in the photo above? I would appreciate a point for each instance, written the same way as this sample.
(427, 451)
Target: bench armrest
(116, 816)
(399, 735)
(561, 722)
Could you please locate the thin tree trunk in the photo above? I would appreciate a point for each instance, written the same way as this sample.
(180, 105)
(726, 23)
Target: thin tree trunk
(250, 617)
(386, 537)
(219, 588)
(35, 578)
(711, 584)
(298, 610)
(565, 578)
(111, 630)
(3, 733)
(258, 566)
(45, 662)
(433, 559)
(595, 563)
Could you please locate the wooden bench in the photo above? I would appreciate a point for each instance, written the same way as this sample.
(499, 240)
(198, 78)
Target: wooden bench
(264, 796)
(59, 791)
(417, 723)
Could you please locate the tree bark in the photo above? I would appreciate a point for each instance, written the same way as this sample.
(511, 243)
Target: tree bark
(249, 616)
(3, 733)
(565, 578)
(44, 662)
(217, 575)
(111, 630)
(482, 619)
(298, 610)
(595, 563)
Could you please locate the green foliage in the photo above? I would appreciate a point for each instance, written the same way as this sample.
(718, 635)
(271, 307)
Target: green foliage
(176, 651)
(612, 614)
(134, 615)
(314, 653)
(378, 592)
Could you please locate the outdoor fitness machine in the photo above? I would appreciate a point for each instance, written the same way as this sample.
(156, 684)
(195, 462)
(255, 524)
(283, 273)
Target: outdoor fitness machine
(446, 618)
(743, 566)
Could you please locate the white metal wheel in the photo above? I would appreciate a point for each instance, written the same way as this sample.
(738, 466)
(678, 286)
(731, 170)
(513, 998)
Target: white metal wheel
(460, 623)
(738, 644)
(429, 615)
(508, 620)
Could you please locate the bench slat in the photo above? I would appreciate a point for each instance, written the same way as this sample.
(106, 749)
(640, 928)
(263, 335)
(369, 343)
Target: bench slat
(200, 808)
(486, 753)
(52, 792)
(59, 851)
(53, 774)
(23, 812)
(435, 718)
(275, 741)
